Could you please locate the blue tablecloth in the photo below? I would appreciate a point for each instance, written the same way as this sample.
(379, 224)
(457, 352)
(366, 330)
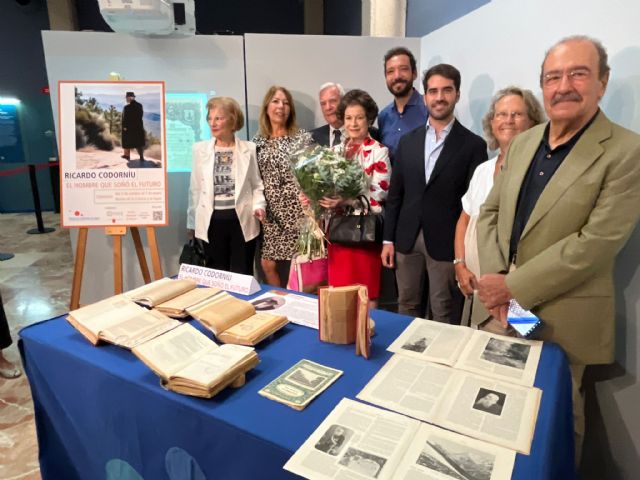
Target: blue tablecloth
(101, 414)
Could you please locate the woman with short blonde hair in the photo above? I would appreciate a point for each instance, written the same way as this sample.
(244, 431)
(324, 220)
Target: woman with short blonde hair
(226, 199)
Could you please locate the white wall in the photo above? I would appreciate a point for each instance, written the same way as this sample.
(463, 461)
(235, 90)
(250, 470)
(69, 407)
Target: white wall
(201, 64)
(503, 43)
(302, 63)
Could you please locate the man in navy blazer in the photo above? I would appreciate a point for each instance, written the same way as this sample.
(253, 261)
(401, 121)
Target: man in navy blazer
(433, 167)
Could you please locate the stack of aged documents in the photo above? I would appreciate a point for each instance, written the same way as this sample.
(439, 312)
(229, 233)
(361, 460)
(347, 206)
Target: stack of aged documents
(471, 382)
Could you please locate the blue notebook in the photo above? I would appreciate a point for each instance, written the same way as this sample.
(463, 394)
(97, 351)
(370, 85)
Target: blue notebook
(523, 321)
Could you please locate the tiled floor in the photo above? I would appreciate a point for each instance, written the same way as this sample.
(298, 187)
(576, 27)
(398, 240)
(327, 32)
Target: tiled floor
(35, 286)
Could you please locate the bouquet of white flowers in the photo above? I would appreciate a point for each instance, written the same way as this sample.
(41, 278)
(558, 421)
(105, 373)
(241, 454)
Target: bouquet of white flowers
(323, 172)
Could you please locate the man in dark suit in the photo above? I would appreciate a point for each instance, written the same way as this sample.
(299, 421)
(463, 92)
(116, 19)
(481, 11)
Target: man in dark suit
(433, 167)
(133, 135)
(333, 132)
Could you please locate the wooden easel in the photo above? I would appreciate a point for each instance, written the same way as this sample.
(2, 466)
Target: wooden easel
(116, 233)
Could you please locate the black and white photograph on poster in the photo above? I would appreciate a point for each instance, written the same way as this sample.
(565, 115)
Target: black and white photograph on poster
(112, 160)
(118, 127)
(334, 439)
(268, 303)
(364, 463)
(416, 343)
(504, 352)
(489, 401)
(456, 461)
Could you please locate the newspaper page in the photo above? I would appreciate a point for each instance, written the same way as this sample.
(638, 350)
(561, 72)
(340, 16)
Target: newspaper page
(300, 384)
(433, 341)
(439, 454)
(506, 358)
(490, 410)
(174, 350)
(409, 386)
(298, 309)
(355, 442)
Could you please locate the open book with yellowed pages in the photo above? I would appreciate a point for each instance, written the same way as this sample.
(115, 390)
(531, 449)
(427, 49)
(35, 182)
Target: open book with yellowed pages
(120, 321)
(177, 306)
(190, 363)
(160, 291)
(235, 321)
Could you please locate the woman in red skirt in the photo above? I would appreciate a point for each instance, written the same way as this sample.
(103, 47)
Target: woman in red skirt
(349, 265)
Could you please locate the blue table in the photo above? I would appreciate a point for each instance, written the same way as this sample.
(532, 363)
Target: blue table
(101, 414)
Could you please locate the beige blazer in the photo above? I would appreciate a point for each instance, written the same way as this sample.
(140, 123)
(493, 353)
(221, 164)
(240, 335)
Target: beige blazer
(249, 190)
(567, 250)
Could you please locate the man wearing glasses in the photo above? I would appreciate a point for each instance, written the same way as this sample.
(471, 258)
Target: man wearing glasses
(559, 213)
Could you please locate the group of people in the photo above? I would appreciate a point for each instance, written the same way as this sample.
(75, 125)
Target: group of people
(541, 222)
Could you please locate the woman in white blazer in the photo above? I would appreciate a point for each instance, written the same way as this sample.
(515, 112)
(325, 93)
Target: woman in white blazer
(226, 199)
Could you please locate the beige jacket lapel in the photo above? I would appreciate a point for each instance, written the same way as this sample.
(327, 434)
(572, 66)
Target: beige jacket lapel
(586, 151)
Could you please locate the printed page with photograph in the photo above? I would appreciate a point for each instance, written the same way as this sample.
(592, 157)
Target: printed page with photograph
(356, 441)
(177, 307)
(160, 291)
(298, 309)
(433, 341)
(409, 386)
(119, 321)
(506, 358)
(439, 454)
(299, 385)
(490, 410)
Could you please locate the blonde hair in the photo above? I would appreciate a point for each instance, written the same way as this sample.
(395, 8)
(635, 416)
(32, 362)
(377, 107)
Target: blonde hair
(265, 123)
(230, 107)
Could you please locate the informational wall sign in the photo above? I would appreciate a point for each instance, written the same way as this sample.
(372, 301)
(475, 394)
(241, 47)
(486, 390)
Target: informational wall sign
(186, 124)
(113, 157)
(11, 150)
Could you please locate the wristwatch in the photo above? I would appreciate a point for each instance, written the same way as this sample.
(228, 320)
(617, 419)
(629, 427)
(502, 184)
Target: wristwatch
(456, 261)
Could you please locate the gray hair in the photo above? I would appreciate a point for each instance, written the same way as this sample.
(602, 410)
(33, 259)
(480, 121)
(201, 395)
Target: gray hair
(534, 111)
(324, 86)
(603, 58)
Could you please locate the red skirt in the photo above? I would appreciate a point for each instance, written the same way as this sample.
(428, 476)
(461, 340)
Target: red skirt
(349, 265)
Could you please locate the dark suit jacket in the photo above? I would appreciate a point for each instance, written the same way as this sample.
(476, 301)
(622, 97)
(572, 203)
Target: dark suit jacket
(320, 135)
(434, 207)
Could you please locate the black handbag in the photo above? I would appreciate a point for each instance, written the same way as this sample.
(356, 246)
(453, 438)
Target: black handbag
(193, 253)
(353, 230)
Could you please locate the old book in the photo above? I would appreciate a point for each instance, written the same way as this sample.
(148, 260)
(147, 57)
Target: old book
(160, 291)
(120, 321)
(344, 316)
(235, 321)
(177, 306)
(190, 363)
(360, 441)
(300, 384)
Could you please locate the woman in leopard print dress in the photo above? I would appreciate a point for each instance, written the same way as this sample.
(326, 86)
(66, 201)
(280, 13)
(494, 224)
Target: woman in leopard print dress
(278, 135)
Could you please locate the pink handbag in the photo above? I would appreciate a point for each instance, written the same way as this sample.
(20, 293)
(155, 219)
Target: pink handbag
(307, 275)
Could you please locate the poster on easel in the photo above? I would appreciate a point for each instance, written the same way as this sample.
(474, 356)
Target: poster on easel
(113, 169)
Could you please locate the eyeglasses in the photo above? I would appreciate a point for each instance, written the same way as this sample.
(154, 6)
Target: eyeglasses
(575, 75)
(505, 115)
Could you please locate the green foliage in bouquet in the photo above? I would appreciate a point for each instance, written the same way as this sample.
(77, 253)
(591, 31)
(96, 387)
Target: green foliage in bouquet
(321, 172)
